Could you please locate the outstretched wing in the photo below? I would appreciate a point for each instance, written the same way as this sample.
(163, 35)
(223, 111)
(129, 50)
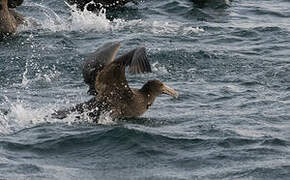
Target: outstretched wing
(112, 82)
(136, 60)
(96, 61)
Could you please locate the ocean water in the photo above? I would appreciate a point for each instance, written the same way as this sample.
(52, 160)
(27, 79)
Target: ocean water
(230, 65)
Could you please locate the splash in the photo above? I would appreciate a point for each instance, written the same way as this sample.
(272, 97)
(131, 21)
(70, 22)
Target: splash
(42, 75)
(77, 21)
(87, 21)
(25, 80)
(106, 119)
(20, 115)
(158, 68)
(49, 19)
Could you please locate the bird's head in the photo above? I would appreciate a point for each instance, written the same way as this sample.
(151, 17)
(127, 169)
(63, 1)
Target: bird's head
(156, 87)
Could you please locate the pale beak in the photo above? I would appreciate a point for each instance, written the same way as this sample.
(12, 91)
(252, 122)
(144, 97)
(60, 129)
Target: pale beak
(169, 91)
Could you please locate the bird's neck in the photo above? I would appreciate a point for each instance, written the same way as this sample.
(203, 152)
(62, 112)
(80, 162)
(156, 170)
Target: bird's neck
(149, 95)
(3, 6)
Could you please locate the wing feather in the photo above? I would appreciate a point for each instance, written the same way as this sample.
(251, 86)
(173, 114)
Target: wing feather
(136, 60)
(96, 61)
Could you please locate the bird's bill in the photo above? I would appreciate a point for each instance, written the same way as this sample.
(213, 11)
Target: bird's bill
(169, 91)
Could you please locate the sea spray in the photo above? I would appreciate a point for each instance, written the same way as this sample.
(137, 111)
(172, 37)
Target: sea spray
(87, 21)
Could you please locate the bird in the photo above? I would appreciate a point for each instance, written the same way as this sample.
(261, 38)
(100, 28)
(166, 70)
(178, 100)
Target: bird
(96, 5)
(9, 19)
(106, 77)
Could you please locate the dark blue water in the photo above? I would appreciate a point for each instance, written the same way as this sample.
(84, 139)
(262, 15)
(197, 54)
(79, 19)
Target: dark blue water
(230, 65)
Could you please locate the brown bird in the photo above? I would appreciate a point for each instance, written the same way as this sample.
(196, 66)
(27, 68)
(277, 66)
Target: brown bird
(106, 75)
(9, 19)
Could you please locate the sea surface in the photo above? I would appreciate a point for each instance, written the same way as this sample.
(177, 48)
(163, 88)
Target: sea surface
(230, 65)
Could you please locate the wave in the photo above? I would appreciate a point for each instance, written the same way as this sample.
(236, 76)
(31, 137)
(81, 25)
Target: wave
(47, 137)
(57, 144)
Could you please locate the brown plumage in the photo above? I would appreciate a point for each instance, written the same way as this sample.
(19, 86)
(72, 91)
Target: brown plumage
(9, 19)
(111, 88)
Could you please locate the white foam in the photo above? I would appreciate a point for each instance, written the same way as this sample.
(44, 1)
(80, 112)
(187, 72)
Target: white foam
(158, 68)
(106, 119)
(88, 21)
(191, 30)
(21, 115)
(176, 28)
(77, 21)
